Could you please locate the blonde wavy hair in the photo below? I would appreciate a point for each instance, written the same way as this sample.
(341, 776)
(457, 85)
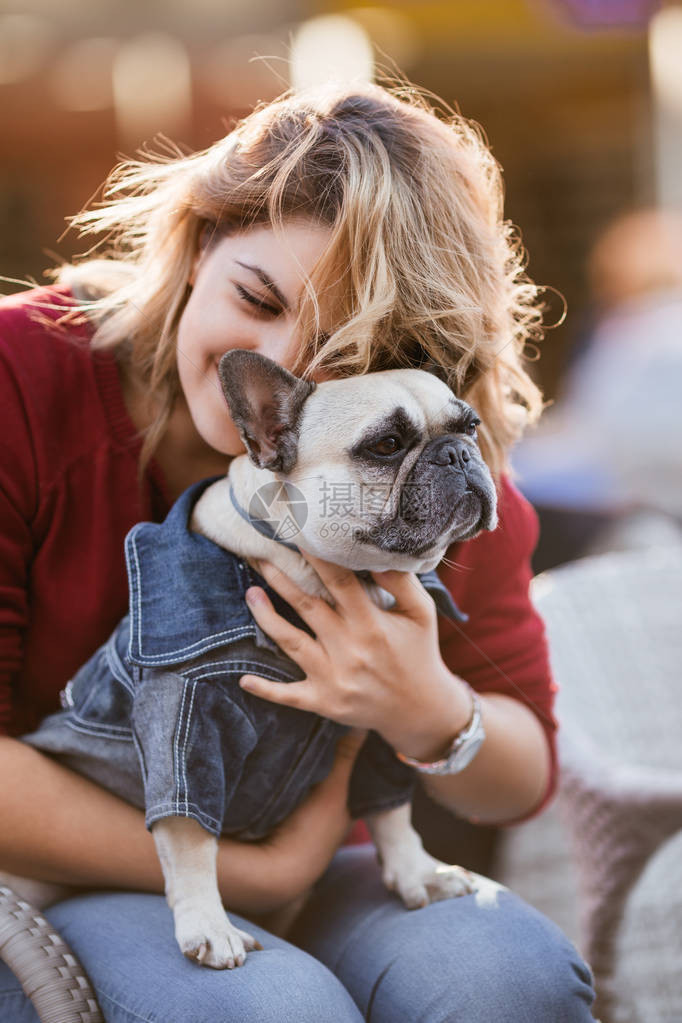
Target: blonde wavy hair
(431, 274)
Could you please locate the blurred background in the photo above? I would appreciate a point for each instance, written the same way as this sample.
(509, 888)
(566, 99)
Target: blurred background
(581, 101)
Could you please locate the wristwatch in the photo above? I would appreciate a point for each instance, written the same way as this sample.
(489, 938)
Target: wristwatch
(463, 749)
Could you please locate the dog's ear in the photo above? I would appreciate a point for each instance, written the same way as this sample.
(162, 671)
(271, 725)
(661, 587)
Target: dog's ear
(265, 403)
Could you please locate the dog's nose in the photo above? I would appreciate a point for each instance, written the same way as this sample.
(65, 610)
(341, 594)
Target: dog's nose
(450, 451)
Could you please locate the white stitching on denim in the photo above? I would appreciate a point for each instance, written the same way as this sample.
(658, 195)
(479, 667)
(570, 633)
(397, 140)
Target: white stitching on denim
(238, 671)
(207, 643)
(159, 810)
(176, 771)
(79, 724)
(184, 748)
(135, 576)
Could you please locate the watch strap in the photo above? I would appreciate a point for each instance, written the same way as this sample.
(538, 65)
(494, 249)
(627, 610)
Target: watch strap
(463, 748)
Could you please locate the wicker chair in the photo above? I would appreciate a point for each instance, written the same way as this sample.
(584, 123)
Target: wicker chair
(615, 628)
(50, 974)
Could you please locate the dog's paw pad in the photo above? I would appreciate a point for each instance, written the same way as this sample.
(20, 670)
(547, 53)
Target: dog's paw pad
(415, 898)
(215, 943)
(450, 882)
(251, 944)
(429, 881)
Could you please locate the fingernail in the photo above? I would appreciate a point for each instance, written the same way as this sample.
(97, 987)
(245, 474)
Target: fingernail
(254, 595)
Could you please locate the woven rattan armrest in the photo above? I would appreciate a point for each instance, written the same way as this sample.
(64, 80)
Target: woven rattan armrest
(48, 971)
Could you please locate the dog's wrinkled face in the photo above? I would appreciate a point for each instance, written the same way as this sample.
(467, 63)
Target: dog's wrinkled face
(388, 463)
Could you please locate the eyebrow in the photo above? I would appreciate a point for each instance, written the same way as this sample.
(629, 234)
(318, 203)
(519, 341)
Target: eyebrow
(396, 419)
(461, 413)
(267, 282)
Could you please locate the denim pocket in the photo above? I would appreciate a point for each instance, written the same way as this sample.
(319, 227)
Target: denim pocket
(97, 701)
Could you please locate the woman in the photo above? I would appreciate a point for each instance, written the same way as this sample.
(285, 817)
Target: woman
(339, 231)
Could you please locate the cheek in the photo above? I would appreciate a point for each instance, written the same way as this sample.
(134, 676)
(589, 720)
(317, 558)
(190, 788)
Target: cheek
(194, 359)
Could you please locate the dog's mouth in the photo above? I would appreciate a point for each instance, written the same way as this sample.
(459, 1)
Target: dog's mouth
(483, 514)
(427, 538)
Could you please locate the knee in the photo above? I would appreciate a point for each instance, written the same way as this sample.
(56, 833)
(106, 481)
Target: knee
(125, 942)
(508, 964)
(552, 974)
(295, 985)
(273, 985)
(531, 971)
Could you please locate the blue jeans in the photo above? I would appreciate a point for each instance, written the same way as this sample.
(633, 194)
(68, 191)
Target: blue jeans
(358, 955)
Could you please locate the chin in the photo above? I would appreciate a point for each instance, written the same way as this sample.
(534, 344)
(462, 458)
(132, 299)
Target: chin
(223, 437)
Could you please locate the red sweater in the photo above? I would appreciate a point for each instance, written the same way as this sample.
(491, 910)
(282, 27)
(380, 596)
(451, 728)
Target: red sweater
(69, 495)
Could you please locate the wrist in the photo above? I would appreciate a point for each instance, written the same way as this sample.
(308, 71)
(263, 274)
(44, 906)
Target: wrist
(432, 728)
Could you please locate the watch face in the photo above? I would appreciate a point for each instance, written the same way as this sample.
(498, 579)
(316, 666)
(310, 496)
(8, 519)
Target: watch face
(466, 755)
(462, 757)
(464, 748)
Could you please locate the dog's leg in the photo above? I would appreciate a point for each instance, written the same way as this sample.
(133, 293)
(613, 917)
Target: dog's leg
(203, 929)
(406, 867)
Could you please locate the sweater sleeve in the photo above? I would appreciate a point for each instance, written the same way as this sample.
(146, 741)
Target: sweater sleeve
(502, 647)
(18, 503)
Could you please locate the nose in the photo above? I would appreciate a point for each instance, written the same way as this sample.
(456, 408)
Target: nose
(452, 450)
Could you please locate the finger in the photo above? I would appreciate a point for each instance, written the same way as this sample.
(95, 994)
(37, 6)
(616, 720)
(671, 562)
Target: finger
(300, 695)
(350, 596)
(296, 643)
(314, 611)
(410, 596)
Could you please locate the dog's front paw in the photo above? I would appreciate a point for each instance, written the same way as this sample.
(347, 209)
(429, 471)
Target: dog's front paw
(211, 939)
(419, 879)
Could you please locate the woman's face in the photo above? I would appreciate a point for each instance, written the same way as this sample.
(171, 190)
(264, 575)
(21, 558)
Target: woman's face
(246, 292)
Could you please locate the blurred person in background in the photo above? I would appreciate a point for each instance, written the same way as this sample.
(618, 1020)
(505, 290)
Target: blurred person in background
(604, 466)
(338, 231)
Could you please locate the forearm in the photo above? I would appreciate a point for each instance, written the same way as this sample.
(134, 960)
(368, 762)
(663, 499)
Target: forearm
(510, 773)
(58, 826)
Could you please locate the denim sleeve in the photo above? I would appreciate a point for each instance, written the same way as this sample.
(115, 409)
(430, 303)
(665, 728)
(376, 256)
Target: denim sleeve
(379, 780)
(193, 741)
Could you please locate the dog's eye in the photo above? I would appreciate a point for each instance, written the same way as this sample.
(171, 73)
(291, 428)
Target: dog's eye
(470, 428)
(386, 446)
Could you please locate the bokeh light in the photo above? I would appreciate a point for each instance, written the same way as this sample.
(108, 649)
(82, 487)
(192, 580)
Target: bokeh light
(330, 47)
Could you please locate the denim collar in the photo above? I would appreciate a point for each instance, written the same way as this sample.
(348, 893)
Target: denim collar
(186, 592)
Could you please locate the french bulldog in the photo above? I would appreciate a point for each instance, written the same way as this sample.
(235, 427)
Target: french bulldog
(402, 449)
(397, 452)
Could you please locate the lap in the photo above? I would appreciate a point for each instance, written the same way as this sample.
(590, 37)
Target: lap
(478, 958)
(355, 954)
(126, 944)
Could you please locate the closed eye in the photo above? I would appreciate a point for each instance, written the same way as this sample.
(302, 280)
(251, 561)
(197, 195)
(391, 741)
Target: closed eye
(258, 303)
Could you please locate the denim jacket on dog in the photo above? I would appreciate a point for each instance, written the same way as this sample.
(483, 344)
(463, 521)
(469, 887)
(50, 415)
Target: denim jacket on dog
(157, 714)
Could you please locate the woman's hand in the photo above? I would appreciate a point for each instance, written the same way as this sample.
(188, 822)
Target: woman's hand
(366, 667)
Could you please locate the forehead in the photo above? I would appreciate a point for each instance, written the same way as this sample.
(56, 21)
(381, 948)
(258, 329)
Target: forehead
(403, 396)
(286, 255)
